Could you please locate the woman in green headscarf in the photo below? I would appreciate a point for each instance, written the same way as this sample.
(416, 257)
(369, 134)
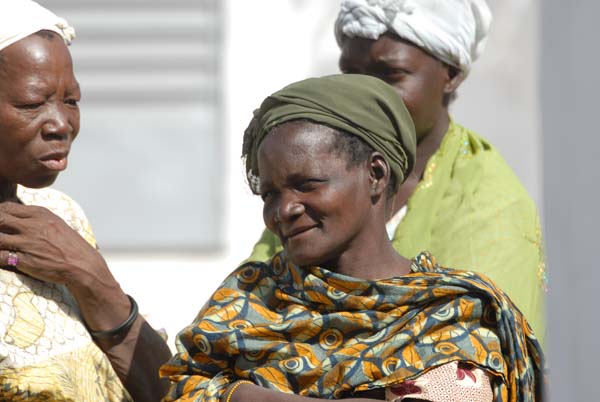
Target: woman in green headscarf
(339, 313)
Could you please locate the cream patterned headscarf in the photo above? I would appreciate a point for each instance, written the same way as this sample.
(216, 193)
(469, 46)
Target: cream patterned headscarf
(21, 18)
(454, 31)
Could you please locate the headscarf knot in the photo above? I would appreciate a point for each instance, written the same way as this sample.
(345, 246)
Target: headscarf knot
(21, 18)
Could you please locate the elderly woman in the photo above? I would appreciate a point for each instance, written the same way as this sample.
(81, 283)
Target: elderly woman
(339, 313)
(461, 202)
(67, 330)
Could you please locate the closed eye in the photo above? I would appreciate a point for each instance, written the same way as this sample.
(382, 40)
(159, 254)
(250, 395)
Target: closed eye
(393, 72)
(72, 102)
(308, 185)
(30, 106)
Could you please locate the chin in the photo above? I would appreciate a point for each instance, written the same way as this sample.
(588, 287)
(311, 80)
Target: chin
(306, 258)
(38, 181)
(302, 259)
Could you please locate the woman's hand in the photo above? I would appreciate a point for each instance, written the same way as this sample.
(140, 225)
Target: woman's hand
(46, 247)
(49, 250)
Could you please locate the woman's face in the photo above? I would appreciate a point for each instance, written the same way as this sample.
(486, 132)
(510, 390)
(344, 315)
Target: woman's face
(39, 112)
(315, 204)
(421, 80)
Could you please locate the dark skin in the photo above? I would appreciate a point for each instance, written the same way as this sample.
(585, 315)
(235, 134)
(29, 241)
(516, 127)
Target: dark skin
(39, 119)
(423, 82)
(325, 213)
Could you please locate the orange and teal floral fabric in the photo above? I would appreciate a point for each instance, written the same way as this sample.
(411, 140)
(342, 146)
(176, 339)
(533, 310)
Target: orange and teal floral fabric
(316, 333)
(472, 213)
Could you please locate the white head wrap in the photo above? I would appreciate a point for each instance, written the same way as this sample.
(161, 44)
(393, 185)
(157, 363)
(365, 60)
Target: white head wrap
(21, 18)
(454, 31)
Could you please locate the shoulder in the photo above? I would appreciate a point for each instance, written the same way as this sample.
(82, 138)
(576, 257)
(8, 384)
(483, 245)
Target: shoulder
(61, 205)
(478, 163)
(426, 265)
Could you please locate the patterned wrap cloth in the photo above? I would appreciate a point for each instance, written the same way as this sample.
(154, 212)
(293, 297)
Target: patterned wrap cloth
(315, 333)
(46, 354)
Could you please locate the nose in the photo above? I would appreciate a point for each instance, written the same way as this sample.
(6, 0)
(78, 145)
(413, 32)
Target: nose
(289, 208)
(57, 124)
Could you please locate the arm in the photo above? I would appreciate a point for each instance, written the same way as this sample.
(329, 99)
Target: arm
(246, 392)
(49, 250)
(137, 354)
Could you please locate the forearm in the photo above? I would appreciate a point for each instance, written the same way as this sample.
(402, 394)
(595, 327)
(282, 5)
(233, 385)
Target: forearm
(255, 393)
(137, 358)
(135, 353)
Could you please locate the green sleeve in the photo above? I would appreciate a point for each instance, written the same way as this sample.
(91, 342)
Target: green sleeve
(266, 247)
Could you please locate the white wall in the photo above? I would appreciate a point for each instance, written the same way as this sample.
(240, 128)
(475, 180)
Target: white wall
(271, 43)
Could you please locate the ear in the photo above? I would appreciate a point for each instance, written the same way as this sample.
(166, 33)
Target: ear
(453, 79)
(379, 174)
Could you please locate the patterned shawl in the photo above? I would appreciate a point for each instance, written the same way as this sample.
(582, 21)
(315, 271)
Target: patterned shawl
(320, 334)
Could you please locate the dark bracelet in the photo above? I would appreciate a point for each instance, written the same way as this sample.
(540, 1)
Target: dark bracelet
(125, 325)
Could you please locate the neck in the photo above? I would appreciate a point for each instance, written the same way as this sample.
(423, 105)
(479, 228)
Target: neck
(430, 143)
(373, 260)
(427, 146)
(8, 191)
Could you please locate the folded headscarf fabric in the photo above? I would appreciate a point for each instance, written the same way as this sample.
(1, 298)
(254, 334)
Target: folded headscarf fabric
(454, 31)
(357, 104)
(21, 18)
(316, 333)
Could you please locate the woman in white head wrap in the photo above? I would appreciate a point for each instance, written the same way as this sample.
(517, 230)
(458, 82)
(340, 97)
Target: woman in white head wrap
(453, 31)
(67, 330)
(462, 202)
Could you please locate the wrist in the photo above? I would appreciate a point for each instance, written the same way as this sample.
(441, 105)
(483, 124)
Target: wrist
(93, 282)
(102, 302)
(229, 393)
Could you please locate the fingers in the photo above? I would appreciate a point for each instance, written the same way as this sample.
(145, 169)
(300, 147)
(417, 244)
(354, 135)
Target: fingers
(9, 259)
(16, 218)
(17, 210)
(9, 224)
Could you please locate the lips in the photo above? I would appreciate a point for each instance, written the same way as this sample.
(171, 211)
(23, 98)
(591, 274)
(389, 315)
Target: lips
(297, 231)
(56, 161)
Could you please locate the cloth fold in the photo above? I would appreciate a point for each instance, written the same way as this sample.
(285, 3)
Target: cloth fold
(21, 18)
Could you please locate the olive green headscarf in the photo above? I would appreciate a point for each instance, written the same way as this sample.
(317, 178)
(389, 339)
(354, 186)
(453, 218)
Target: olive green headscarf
(357, 104)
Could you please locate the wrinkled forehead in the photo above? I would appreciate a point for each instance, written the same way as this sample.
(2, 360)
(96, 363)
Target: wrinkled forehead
(35, 63)
(297, 136)
(37, 48)
(388, 48)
